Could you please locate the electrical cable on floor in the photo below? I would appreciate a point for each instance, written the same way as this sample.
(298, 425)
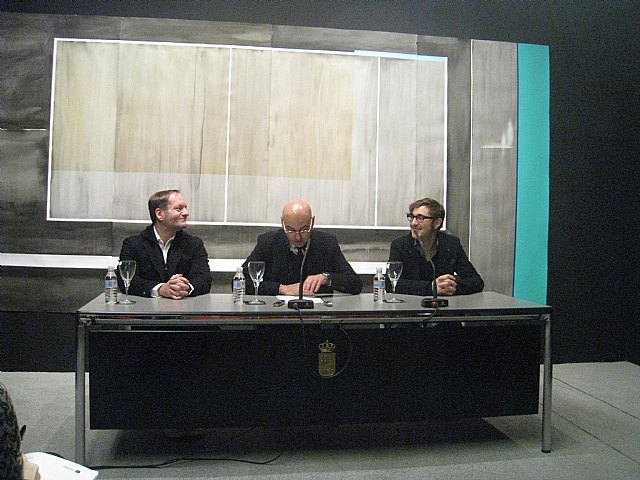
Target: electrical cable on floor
(189, 459)
(174, 461)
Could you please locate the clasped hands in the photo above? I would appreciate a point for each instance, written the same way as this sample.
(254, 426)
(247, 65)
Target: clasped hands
(446, 284)
(309, 288)
(176, 288)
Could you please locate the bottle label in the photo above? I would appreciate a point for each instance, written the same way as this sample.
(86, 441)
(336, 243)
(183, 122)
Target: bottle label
(238, 283)
(378, 283)
(111, 283)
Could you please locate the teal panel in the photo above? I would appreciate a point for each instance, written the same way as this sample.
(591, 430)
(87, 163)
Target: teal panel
(532, 208)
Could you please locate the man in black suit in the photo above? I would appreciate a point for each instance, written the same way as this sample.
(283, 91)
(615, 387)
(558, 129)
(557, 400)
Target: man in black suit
(426, 248)
(325, 268)
(169, 262)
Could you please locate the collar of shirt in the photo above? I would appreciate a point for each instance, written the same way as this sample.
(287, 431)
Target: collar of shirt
(295, 250)
(163, 247)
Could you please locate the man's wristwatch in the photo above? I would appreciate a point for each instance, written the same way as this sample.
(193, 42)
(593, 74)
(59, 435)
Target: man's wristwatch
(327, 277)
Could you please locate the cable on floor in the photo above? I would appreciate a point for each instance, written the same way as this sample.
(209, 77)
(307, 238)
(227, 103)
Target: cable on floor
(174, 461)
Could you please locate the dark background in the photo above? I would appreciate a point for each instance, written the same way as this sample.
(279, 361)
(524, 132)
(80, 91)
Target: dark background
(593, 230)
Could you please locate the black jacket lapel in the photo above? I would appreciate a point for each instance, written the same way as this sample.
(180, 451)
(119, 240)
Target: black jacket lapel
(155, 252)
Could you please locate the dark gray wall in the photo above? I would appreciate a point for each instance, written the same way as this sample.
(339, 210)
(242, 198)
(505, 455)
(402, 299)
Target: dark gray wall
(595, 70)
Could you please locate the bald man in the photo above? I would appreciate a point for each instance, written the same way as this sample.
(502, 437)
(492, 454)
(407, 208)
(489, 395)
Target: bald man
(325, 268)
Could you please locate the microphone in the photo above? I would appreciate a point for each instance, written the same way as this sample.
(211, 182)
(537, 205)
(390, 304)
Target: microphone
(301, 303)
(434, 301)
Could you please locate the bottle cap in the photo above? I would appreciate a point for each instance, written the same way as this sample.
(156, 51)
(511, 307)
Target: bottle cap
(239, 269)
(379, 269)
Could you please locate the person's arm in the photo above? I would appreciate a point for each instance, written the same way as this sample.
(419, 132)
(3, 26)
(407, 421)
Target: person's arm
(410, 287)
(343, 277)
(468, 280)
(140, 285)
(267, 286)
(30, 470)
(199, 274)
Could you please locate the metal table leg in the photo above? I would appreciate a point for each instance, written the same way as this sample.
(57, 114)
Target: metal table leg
(546, 389)
(81, 339)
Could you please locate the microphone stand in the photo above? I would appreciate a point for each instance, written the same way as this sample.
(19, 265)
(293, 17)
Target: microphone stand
(434, 301)
(301, 303)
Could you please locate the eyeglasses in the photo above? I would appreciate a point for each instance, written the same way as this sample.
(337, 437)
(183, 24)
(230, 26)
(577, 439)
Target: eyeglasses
(419, 218)
(302, 231)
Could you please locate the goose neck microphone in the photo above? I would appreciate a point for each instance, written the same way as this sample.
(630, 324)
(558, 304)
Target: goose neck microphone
(434, 301)
(301, 303)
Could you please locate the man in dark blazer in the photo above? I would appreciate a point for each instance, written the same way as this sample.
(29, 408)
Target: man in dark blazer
(426, 248)
(282, 250)
(169, 262)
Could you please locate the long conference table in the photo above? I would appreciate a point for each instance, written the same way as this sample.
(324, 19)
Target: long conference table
(205, 362)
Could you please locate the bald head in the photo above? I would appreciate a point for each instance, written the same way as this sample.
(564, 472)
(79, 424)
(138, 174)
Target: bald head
(297, 218)
(296, 209)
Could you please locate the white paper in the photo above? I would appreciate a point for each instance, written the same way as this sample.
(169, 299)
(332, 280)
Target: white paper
(56, 468)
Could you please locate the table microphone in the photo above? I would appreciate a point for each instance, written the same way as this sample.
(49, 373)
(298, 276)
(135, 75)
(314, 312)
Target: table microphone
(301, 303)
(434, 302)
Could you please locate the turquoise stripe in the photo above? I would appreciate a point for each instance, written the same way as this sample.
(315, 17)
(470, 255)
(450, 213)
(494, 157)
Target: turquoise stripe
(532, 212)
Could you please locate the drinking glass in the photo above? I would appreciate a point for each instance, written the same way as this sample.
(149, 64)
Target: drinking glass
(256, 271)
(394, 270)
(127, 269)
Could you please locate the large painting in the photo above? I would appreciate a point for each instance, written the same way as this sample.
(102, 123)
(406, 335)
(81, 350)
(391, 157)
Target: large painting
(241, 130)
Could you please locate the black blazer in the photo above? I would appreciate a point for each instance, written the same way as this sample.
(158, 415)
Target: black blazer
(324, 255)
(187, 256)
(417, 273)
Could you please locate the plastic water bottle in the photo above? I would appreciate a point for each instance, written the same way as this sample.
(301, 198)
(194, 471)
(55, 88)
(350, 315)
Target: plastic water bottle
(238, 286)
(111, 286)
(378, 286)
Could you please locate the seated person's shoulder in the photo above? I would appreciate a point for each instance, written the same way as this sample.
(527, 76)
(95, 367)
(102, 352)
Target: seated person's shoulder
(402, 240)
(444, 236)
(138, 236)
(194, 239)
(322, 236)
(270, 236)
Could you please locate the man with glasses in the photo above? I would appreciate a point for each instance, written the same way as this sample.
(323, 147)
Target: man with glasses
(430, 257)
(282, 250)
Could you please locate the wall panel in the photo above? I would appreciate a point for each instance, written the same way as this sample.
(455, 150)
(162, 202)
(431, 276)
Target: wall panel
(408, 118)
(493, 163)
(458, 54)
(132, 118)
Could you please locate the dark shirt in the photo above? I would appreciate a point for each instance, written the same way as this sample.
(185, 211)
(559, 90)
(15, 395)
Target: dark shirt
(186, 256)
(417, 273)
(282, 266)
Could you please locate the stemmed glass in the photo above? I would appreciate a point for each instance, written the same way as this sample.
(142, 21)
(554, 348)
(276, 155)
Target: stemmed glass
(394, 270)
(127, 269)
(256, 271)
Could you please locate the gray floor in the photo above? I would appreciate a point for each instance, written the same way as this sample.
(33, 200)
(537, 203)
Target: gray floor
(596, 435)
